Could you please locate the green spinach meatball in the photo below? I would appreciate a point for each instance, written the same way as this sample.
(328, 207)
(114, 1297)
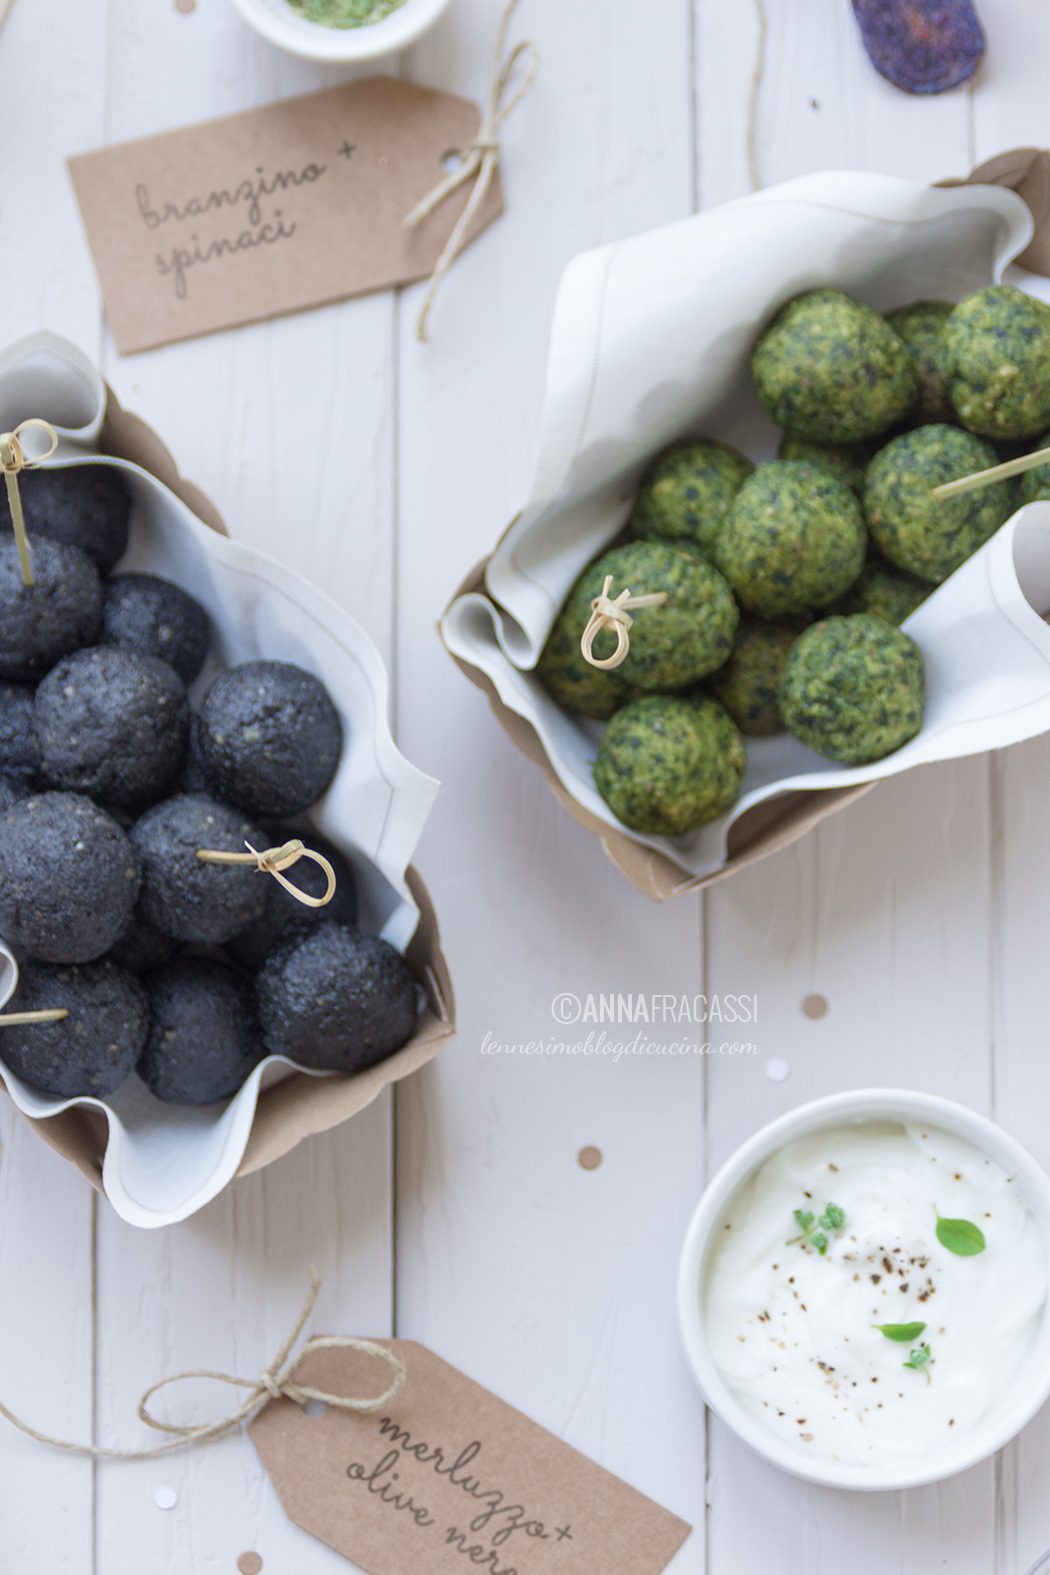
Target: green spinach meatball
(667, 766)
(847, 462)
(927, 536)
(883, 590)
(335, 1000)
(43, 622)
(192, 899)
(688, 492)
(269, 738)
(998, 362)
(203, 1036)
(68, 878)
(567, 676)
(85, 506)
(831, 370)
(1034, 485)
(854, 688)
(794, 540)
(921, 326)
(112, 723)
(673, 644)
(749, 683)
(144, 613)
(92, 1050)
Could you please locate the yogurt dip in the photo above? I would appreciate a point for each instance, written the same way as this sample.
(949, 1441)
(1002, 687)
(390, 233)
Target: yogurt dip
(829, 1258)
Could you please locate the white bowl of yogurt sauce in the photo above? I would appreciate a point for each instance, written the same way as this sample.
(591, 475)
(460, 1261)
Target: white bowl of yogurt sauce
(863, 1290)
(283, 24)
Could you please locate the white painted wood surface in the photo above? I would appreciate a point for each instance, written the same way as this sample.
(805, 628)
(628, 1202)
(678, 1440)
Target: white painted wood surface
(461, 1217)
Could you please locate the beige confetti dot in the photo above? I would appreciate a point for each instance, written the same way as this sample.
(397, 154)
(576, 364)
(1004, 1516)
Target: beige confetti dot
(186, 6)
(249, 1563)
(590, 1157)
(815, 1007)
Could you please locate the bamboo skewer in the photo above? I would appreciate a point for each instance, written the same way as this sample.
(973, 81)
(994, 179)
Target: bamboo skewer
(986, 478)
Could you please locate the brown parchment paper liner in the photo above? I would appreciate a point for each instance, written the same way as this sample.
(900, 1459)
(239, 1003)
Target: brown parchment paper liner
(775, 824)
(301, 1106)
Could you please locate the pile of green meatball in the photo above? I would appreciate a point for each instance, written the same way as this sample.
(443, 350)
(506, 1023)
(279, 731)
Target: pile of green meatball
(786, 582)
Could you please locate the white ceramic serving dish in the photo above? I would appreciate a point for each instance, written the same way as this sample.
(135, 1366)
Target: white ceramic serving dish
(163, 1162)
(280, 25)
(1017, 1403)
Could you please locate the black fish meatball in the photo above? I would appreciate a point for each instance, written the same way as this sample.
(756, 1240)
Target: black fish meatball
(335, 1000)
(141, 947)
(194, 778)
(19, 755)
(184, 896)
(203, 1035)
(69, 878)
(85, 506)
(283, 915)
(113, 724)
(43, 622)
(91, 1051)
(144, 613)
(12, 791)
(270, 738)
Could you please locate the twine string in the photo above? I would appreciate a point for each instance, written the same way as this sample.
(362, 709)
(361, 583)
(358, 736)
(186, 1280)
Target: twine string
(614, 613)
(986, 478)
(481, 159)
(277, 1382)
(274, 861)
(758, 72)
(13, 460)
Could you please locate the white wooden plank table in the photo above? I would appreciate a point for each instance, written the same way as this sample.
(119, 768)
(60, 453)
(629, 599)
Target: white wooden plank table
(458, 1213)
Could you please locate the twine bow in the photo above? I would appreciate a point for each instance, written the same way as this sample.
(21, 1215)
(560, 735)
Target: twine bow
(274, 861)
(480, 160)
(276, 1383)
(612, 612)
(13, 460)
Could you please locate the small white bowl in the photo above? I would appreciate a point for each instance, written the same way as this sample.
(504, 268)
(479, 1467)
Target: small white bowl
(277, 22)
(1014, 1408)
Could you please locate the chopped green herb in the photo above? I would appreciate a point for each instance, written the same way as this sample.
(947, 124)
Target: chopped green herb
(903, 1332)
(962, 1237)
(833, 1219)
(919, 1360)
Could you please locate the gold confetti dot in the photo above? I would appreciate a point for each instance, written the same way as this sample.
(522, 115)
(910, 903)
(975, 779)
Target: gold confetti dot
(590, 1157)
(248, 1563)
(815, 1007)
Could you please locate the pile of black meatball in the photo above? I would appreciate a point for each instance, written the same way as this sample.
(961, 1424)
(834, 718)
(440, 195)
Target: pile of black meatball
(189, 972)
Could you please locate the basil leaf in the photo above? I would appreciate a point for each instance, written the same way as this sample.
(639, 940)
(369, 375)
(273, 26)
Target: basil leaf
(904, 1332)
(832, 1218)
(962, 1237)
(803, 1218)
(820, 1242)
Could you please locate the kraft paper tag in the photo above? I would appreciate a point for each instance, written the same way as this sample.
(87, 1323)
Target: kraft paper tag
(276, 209)
(448, 1478)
